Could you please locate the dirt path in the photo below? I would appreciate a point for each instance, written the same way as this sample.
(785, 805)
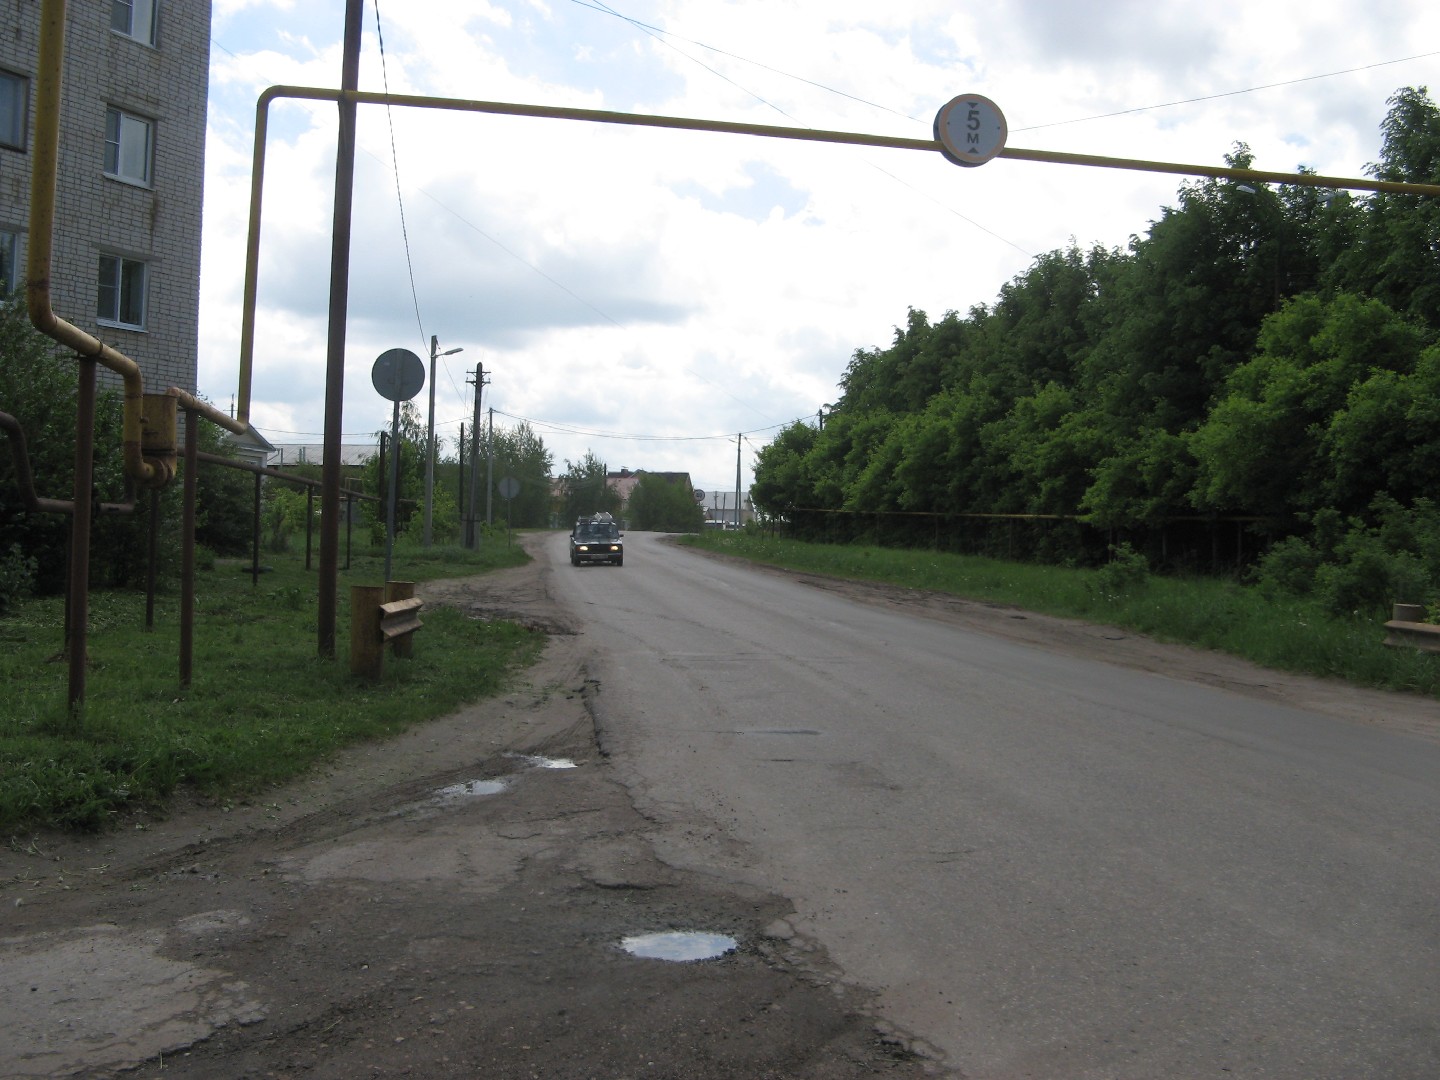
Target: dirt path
(451, 903)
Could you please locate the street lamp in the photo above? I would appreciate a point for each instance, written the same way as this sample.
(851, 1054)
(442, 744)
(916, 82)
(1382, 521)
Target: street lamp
(430, 437)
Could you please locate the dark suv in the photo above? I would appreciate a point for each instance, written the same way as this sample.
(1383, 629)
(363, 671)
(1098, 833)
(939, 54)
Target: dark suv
(597, 539)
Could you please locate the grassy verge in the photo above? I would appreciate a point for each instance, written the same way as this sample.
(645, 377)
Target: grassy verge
(261, 708)
(1292, 635)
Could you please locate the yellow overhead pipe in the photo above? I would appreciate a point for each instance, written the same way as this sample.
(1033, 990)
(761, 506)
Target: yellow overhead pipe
(597, 116)
(139, 434)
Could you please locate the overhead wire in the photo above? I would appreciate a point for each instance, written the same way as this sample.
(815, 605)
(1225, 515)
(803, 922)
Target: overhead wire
(662, 36)
(395, 163)
(1228, 93)
(597, 5)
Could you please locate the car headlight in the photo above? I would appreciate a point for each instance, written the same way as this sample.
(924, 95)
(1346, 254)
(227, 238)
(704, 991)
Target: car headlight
(582, 547)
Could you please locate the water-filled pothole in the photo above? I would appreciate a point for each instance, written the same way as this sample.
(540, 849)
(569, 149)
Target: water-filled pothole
(470, 788)
(679, 945)
(536, 761)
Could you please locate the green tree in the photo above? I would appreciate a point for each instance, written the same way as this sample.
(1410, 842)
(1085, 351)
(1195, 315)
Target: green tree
(224, 496)
(782, 480)
(1259, 350)
(585, 491)
(1386, 437)
(1388, 246)
(663, 504)
(284, 513)
(410, 494)
(1262, 448)
(522, 455)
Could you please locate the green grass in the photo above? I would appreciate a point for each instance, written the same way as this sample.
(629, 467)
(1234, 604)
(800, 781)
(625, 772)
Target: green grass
(1289, 635)
(262, 707)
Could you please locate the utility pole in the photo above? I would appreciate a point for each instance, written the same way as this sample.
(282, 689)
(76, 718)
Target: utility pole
(329, 572)
(471, 535)
(490, 465)
(430, 438)
(738, 437)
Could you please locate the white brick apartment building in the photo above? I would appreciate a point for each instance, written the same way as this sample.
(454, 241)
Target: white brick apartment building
(132, 163)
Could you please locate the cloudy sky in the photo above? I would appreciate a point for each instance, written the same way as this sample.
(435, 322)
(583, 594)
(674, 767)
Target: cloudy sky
(648, 295)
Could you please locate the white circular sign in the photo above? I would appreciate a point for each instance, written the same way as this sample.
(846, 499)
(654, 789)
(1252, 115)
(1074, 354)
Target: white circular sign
(970, 129)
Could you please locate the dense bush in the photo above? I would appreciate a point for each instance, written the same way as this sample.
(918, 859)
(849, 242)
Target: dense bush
(1260, 367)
(38, 386)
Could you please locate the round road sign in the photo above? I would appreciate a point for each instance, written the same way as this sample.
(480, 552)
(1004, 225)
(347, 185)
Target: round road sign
(970, 129)
(398, 375)
(509, 488)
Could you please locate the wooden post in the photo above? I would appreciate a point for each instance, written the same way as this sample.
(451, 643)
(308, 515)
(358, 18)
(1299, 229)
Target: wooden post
(404, 645)
(367, 648)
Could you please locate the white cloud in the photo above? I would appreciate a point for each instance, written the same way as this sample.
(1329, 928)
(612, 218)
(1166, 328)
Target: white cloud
(675, 284)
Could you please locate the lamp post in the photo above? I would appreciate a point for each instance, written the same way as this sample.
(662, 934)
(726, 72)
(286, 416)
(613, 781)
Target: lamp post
(430, 438)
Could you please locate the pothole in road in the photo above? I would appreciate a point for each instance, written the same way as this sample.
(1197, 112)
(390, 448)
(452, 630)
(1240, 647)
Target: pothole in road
(475, 788)
(538, 762)
(679, 945)
(471, 788)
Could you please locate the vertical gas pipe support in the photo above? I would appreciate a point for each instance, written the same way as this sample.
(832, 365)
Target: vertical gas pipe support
(335, 353)
(255, 537)
(187, 549)
(77, 604)
(152, 556)
(157, 444)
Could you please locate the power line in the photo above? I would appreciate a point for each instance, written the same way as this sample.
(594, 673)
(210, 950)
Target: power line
(656, 31)
(596, 5)
(1229, 93)
(661, 36)
(395, 163)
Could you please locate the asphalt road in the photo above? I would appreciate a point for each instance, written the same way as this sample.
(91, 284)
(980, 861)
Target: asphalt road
(1046, 866)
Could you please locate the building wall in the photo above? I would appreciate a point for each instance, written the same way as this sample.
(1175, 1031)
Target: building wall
(167, 84)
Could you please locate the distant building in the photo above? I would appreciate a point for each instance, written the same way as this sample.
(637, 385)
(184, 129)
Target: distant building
(251, 447)
(719, 507)
(126, 264)
(287, 455)
(623, 484)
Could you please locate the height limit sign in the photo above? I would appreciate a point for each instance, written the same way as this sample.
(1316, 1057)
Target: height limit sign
(970, 129)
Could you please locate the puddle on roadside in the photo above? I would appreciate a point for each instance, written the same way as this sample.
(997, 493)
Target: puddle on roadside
(472, 788)
(536, 761)
(679, 945)
(475, 788)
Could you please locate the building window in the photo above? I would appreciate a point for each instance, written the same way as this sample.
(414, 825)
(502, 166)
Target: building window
(9, 263)
(134, 18)
(14, 90)
(121, 299)
(128, 147)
